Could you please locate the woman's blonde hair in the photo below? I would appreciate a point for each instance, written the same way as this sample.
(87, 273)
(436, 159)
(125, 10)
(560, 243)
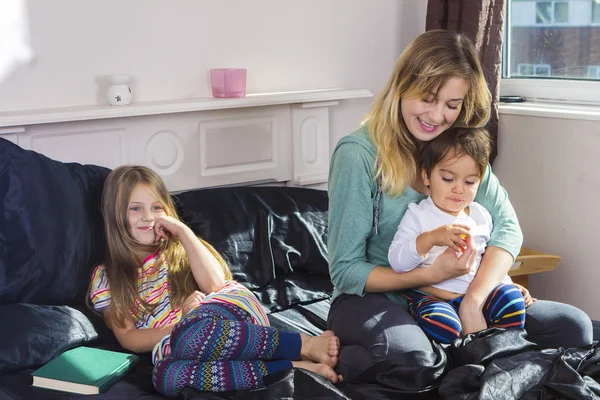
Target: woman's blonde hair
(124, 255)
(424, 67)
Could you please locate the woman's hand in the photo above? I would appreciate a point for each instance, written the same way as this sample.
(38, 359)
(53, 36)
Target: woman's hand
(471, 316)
(166, 225)
(191, 302)
(452, 235)
(448, 265)
(526, 295)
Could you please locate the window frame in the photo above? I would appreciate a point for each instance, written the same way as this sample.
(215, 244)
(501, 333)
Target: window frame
(552, 90)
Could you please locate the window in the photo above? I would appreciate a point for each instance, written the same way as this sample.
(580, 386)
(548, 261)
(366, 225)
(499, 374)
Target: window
(533, 69)
(561, 13)
(551, 12)
(594, 72)
(543, 13)
(525, 70)
(596, 12)
(552, 44)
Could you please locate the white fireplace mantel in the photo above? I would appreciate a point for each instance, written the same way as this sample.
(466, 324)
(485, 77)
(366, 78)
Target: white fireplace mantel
(193, 143)
(86, 113)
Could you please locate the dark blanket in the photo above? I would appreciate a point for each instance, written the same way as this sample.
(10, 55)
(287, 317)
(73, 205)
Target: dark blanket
(494, 364)
(499, 365)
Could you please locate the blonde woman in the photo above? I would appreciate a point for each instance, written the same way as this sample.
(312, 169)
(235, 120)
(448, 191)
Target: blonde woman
(162, 289)
(437, 83)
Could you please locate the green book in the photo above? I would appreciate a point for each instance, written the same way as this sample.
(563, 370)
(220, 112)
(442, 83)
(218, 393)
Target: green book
(84, 370)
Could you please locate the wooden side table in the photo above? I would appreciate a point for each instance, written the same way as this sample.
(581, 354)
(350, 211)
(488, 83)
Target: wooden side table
(529, 262)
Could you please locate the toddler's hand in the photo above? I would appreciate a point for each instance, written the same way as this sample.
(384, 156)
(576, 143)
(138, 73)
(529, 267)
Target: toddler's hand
(452, 235)
(526, 295)
(192, 301)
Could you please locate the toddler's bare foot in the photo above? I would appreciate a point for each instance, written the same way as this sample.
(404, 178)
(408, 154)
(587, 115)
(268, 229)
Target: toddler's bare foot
(321, 349)
(320, 369)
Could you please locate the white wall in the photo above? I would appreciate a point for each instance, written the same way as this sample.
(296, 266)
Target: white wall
(549, 167)
(168, 48)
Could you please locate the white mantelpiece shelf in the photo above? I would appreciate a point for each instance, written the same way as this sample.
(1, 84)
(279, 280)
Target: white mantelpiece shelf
(193, 143)
(84, 113)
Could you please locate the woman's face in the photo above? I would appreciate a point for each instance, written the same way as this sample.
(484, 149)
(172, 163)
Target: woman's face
(431, 115)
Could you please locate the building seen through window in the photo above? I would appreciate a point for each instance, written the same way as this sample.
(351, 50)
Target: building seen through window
(552, 39)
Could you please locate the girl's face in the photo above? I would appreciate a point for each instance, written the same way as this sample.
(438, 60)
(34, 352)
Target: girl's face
(143, 210)
(453, 182)
(427, 117)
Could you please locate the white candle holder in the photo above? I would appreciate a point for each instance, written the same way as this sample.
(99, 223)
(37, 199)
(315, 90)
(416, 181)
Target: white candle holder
(119, 92)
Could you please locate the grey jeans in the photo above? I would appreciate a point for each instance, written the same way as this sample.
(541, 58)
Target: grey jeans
(373, 328)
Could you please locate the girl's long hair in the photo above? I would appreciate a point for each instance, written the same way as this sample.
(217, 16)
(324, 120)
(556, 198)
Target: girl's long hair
(424, 66)
(124, 255)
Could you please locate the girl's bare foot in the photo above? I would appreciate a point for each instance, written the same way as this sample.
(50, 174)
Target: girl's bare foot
(320, 369)
(321, 349)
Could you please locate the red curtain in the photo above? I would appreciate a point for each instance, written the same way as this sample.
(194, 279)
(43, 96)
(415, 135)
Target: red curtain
(483, 22)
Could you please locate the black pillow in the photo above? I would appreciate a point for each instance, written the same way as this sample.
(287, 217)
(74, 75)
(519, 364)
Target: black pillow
(51, 232)
(33, 334)
(273, 238)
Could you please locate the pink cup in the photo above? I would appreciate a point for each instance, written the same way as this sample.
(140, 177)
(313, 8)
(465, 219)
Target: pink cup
(228, 82)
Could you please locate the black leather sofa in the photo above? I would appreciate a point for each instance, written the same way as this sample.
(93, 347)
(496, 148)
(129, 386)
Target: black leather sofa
(274, 239)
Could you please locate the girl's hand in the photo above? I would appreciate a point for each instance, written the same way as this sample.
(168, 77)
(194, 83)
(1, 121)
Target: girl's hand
(452, 235)
(448, 265)
(526, 295)
(192, 301)
(166, 225)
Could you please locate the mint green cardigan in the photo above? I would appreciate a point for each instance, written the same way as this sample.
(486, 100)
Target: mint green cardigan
(353, 246)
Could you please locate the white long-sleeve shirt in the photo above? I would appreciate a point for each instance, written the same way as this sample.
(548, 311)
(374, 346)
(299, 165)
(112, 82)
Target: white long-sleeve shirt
(426, 216)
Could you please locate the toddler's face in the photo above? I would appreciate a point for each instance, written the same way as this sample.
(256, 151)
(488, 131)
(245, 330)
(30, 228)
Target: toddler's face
(144, 209)
(453, 182)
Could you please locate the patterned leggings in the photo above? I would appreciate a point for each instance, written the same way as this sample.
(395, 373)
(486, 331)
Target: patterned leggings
(217, 348)
(504, 308)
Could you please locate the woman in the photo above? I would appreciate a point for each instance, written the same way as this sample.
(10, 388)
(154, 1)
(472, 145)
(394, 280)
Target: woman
(437, 83)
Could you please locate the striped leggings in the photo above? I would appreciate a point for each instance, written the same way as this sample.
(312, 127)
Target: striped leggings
(504, 308)
(217, 348)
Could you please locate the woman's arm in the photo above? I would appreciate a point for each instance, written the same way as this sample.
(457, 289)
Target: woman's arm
(503, 247)
(493, 268)
(506, 233)
(350, 195)
(446, 266)
(494, 265)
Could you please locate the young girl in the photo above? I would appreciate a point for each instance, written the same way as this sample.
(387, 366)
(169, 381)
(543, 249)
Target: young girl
(162, 289)
(452, 166)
